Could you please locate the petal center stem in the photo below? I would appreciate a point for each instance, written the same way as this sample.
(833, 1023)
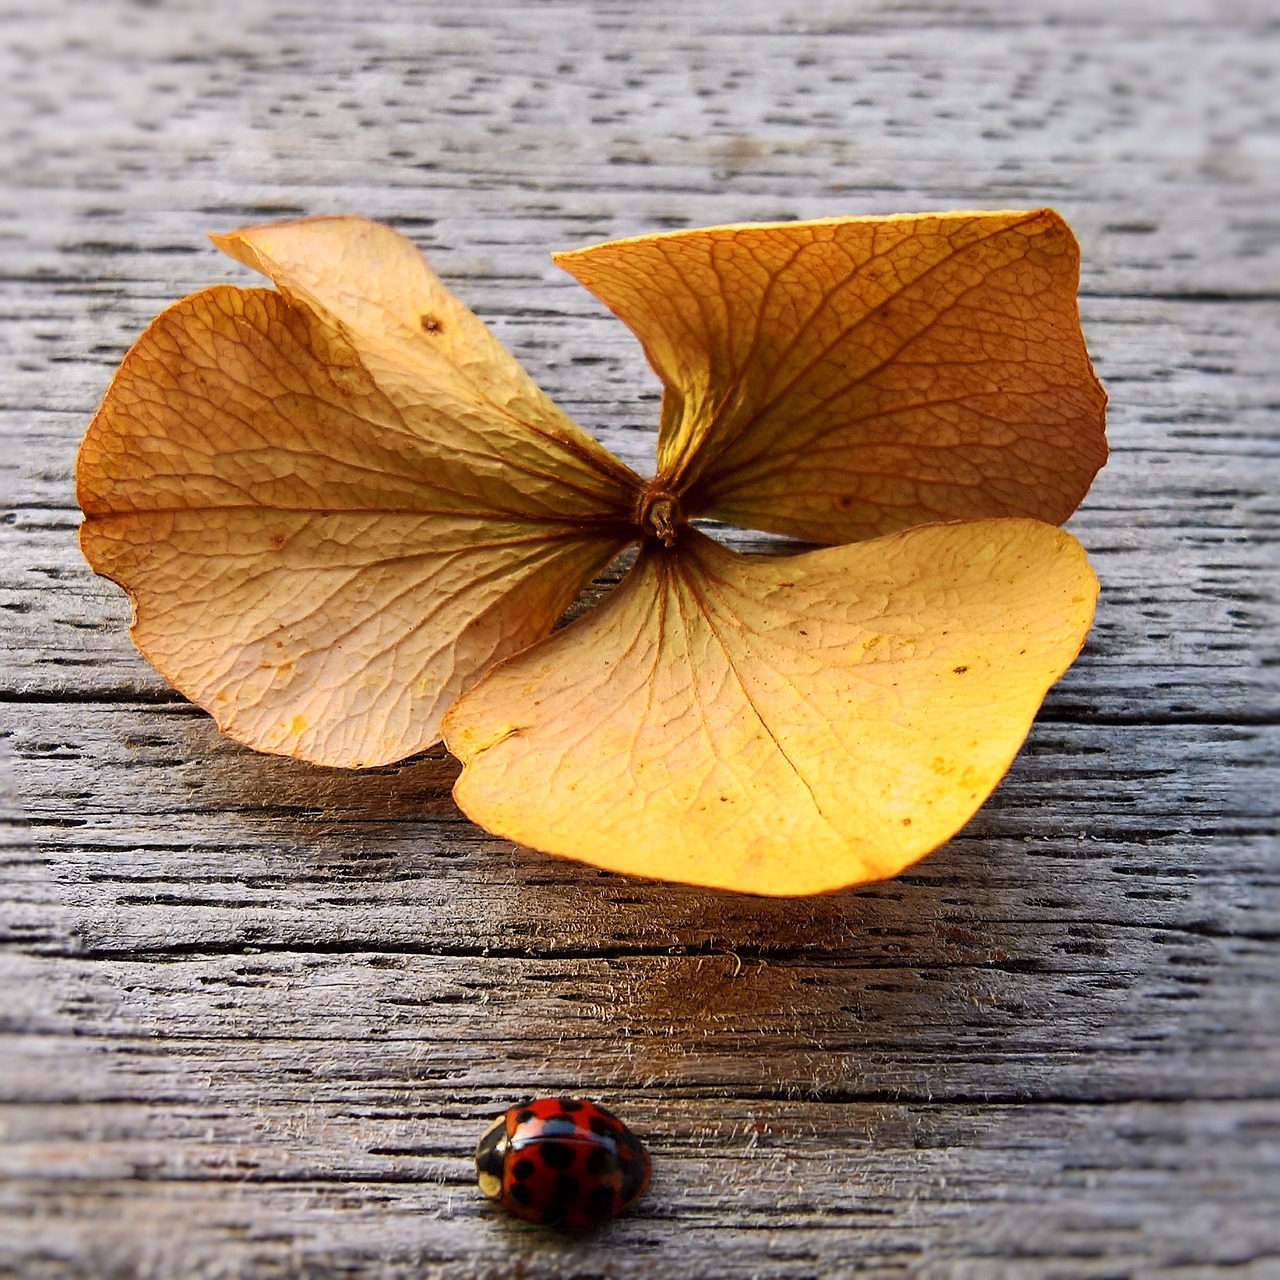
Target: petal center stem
(659, 516)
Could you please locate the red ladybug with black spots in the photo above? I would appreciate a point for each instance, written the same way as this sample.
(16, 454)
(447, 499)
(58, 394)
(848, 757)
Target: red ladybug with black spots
(562, 1162)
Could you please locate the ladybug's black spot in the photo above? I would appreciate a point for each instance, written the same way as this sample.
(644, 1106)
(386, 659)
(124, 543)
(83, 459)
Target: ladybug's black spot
(556, 1155)
(604, 1126)
(570, 1104)
(525, 1168)
(633, 1179)
(523, 1117)
(521, 1194)
(602, 1162)
(566, 1190)
(600, 1202)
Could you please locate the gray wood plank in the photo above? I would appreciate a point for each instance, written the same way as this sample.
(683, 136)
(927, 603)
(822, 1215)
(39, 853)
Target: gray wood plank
(253, 1015)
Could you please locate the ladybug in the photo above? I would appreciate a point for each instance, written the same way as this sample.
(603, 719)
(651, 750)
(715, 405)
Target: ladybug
(562, 1162)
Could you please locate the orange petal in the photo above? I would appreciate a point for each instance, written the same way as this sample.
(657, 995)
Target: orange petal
(428, 353)
(778, 725)
(320, 565)
(841, 379)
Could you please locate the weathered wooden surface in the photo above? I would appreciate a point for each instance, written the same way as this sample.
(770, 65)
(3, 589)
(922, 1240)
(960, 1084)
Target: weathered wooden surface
(253, 1015)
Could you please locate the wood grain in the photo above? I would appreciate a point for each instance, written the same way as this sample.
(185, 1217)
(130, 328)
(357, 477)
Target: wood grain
(254, 1015)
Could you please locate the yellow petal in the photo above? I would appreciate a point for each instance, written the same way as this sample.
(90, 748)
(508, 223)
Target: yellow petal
(778, 725)
(840, 379)
(429, 355)
(319, 565)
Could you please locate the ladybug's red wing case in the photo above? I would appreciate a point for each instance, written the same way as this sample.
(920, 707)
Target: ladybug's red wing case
(562, 1162)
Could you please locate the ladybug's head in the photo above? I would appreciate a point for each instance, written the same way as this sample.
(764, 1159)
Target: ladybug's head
(490, 1155)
